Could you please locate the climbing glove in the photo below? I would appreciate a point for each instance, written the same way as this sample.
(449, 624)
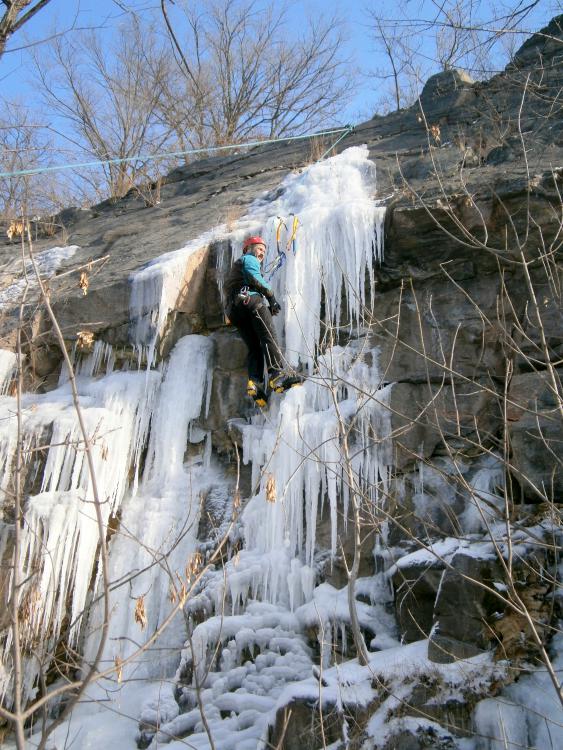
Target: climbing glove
(275, 306)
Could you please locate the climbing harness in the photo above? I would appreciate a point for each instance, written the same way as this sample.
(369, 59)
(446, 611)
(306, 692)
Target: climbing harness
(244, 295)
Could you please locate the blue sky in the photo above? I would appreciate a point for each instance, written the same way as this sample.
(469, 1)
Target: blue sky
(73, 15)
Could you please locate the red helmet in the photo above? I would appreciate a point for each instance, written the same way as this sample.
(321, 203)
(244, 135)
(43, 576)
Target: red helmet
(249, 241)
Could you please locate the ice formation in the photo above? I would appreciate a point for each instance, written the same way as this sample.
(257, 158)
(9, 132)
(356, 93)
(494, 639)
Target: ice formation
(250, 657)
(155, 290)
(8, 364)
(300, 447)
(159, 522)
(298, 467)
(60, 536)
(101, 357)
(48, 261)
(340, 239)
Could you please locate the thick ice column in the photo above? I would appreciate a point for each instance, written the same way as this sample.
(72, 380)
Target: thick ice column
(299, 450)
(158, 527)
(338, 242)
(183, 395)
(59, 539)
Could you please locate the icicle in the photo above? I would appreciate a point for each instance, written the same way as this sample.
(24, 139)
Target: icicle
(155, 290)
(59, 541)
(8, 363)
(340, 240)
(161, 519)
(92, 364)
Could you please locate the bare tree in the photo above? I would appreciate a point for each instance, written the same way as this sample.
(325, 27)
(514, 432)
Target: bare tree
(465, 34)
(246, 77)
(108, 93)
(16, 15)
(402, 68)
(26, 143)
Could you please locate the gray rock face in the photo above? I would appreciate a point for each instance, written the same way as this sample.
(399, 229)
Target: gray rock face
(536, 435)
(446, 90)
(463, 609)
(460, 602)
(426, 416)
(299, 726)
(477, 587)
(415, 588)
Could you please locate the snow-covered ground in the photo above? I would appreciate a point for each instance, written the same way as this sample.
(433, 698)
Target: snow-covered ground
(47, 262)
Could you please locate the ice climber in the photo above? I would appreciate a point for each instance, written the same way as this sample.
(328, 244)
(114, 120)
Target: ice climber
(250, 304)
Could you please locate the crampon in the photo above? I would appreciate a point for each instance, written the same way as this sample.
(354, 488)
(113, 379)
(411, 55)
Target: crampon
(283, 381)
(257, 394)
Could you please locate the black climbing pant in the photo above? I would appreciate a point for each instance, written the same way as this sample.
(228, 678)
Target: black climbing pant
(254, 322)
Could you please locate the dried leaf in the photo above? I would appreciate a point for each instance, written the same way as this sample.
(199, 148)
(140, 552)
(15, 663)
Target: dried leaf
(182, 594)
(435, 132)
(105, 452)
(193, 565)
(271, 489)
(140, 614)
(15, 229)
(84, 340)
(84, 283)
(236, 559)
(119, 668)
(172, 596)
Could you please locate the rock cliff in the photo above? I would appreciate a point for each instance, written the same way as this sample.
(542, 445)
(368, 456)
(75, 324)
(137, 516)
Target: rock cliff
(425, 446)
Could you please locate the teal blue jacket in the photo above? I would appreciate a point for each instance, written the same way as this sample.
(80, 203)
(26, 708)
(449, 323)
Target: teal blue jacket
(252, 274)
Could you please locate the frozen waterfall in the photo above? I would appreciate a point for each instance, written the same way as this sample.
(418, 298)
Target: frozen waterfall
(141, 422)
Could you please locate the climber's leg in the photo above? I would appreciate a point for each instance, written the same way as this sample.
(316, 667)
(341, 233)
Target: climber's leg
(242, 319)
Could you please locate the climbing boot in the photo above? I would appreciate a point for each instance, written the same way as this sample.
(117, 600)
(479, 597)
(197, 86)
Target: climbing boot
(257, 394)
(283, 381)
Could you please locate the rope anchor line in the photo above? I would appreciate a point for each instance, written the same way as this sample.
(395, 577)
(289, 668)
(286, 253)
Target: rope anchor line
(150, 157)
